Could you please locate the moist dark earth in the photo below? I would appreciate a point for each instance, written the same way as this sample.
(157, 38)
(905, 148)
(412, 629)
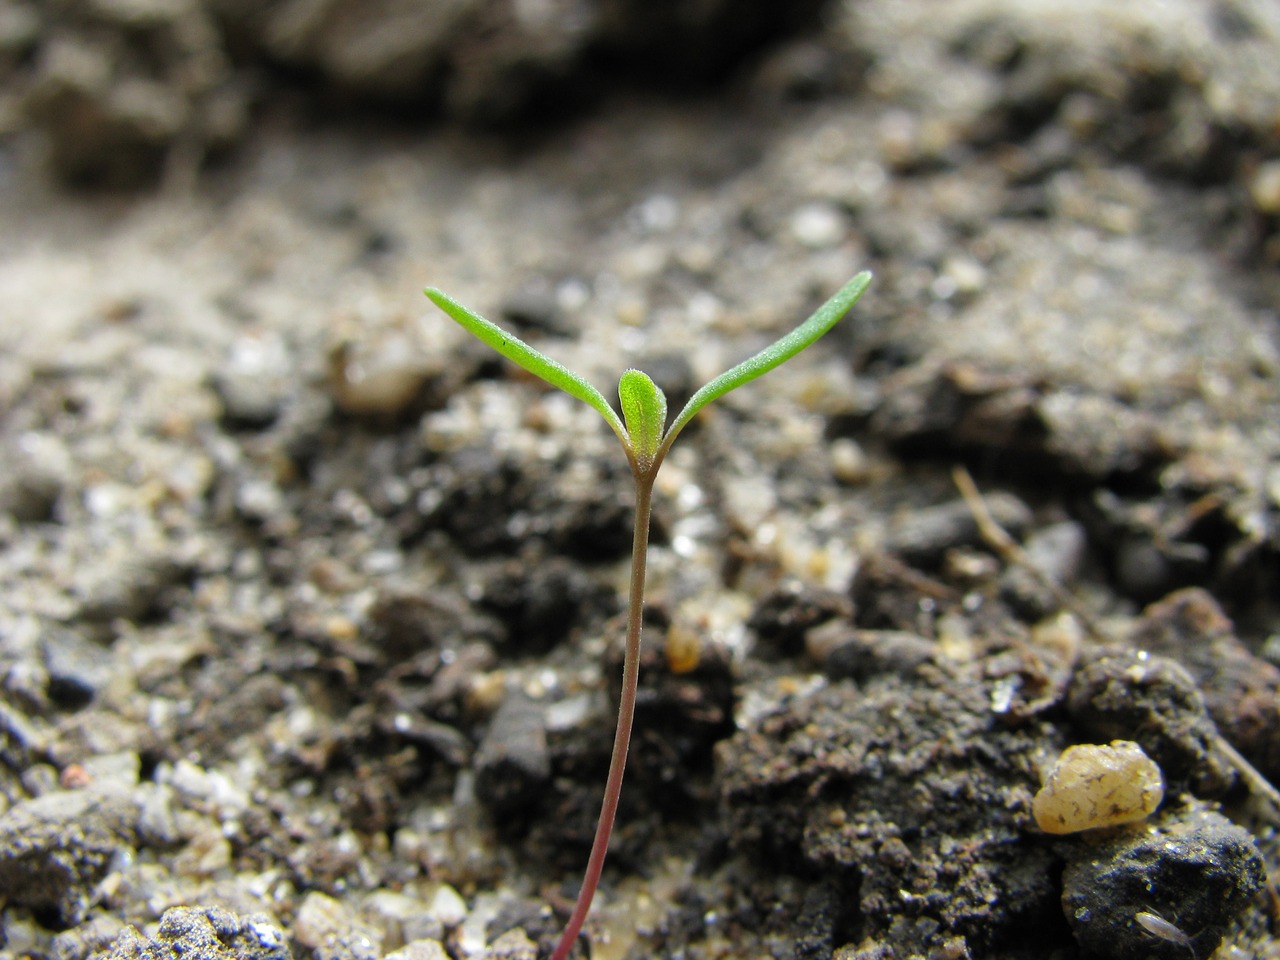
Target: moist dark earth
(311, 607)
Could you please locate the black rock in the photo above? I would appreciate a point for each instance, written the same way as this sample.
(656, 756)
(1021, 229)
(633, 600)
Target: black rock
(77, 668)
(55, 849)
(513, 765)
(1153, 701)
(209, 933)
(1197, 872)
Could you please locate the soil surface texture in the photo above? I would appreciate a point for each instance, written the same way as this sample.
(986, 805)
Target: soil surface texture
(311, 607)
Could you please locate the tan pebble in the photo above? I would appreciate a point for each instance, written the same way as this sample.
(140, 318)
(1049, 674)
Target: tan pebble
(485, 691)
(319, 919)
(204, 855)
(1264, 187)
(1098, 786)
(849, 462)
(340, 628)
(379, 373)
(683, 649)
(964, 275)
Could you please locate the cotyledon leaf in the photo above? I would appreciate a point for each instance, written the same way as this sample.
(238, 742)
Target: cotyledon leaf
(644, 405)
(822, 320)
(523, 355)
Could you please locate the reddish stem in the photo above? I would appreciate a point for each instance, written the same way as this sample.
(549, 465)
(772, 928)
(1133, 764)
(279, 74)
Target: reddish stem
(626, 716)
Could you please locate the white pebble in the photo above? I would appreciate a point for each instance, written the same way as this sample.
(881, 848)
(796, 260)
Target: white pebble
(320, 918)
(849, 462)
(419, 950)
(1264, 187)
(447, 906)
(818, 225)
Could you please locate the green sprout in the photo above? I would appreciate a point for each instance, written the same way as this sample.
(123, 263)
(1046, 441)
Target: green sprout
(646, 439)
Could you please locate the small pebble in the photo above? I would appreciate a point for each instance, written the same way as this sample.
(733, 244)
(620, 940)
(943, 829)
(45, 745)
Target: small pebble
(399, 917)
(252, 381)
(513, 945)
(683, 649)
(964, 276)
(380, 373)
(658, 213)
(534, 306)
(1264, 188)
(849, 462)
(37, 469)
(206, 853)
(1142, 570)
(320, 918)
(419, 950)
(447, 906)
(1095, 786)
(78, 668)
(818, 225)
(127, 584)
(513, 764)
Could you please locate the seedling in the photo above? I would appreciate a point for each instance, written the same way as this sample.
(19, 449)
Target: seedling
(646, 440)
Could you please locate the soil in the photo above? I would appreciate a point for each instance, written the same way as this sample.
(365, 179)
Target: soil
(311, 607)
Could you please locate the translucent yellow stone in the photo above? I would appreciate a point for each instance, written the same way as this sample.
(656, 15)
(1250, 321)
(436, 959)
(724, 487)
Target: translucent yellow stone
(1098, 786)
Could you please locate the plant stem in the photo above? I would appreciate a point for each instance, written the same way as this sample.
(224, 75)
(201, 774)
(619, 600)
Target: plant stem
(626, 716)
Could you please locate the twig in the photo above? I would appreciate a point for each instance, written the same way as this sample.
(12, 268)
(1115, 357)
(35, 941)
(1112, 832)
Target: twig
(1013, 554)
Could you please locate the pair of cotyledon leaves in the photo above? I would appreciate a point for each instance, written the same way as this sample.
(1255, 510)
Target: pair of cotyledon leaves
(643, 427)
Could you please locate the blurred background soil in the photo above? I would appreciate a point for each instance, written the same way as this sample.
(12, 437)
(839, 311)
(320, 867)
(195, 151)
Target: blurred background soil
(310, 608)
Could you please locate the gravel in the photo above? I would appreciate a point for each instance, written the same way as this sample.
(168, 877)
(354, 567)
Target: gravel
(309, 606)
